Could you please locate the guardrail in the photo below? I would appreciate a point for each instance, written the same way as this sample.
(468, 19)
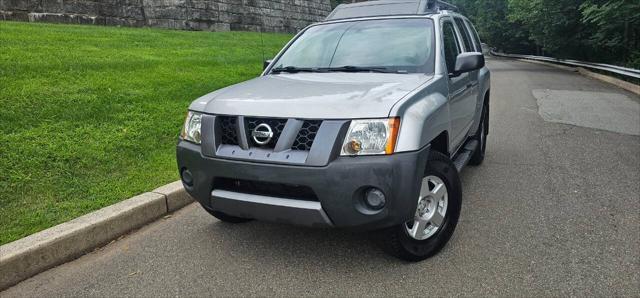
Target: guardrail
(619, 70)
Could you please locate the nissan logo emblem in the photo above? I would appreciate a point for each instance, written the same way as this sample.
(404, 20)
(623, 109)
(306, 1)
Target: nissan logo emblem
(262, 134)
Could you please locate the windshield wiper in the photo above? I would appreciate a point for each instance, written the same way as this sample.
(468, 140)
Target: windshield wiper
(350, 68)
(294, 69)
(346, 68)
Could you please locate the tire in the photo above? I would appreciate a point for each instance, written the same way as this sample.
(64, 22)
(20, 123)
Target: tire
(481, 136)
(398, 240)
(226, 217)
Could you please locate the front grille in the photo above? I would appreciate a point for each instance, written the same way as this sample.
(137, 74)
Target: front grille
(277, 125)
(228, 130)
(279, 190)
(303, 140)
(306, 135)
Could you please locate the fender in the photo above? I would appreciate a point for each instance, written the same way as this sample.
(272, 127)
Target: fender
(424, 116)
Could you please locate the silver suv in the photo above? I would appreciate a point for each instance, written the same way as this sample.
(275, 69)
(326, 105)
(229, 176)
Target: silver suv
(362, 121)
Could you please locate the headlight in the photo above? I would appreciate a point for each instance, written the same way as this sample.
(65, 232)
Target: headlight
(371, 137)
(191, 130)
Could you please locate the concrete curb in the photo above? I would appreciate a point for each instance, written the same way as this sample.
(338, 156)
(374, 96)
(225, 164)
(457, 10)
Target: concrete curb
(175, 194)
(567, 68)
(611, 80)
(36, 253)
(633, 88)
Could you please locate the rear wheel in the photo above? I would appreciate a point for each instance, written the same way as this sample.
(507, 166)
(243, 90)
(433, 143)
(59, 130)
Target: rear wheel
(226, 217)
(481, 136)
(436, 216)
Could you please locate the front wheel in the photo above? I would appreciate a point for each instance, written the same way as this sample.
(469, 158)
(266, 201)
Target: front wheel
(437, 211)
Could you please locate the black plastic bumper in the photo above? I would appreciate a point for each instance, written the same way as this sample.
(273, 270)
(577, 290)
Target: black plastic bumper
(339, 188)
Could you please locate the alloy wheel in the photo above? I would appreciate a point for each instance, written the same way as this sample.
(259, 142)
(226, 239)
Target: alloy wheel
(431, 209)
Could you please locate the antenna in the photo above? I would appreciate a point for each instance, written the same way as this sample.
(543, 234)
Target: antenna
(262, 43)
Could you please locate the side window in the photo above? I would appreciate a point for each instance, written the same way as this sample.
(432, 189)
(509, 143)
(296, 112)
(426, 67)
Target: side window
(450, 43)
(466, 38)
(474, 34)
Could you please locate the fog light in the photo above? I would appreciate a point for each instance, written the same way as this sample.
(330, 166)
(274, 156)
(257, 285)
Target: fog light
(374, 198)
(187, 178)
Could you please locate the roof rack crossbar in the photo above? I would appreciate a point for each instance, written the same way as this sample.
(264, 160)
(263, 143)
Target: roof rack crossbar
(440, 5)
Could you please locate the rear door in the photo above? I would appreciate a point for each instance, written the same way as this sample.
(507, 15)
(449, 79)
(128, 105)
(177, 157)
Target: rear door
(458, 90)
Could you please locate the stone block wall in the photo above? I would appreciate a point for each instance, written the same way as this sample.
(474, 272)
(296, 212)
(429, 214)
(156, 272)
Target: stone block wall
(212, 15)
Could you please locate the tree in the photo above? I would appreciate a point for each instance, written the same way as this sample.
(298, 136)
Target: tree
(593, 30)
(494, 28)
(605, 31)
(615, 27)
(553, 25)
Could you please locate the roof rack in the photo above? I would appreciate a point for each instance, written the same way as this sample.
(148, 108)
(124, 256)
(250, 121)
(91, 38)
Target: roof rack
(441, 5)
(388, 8)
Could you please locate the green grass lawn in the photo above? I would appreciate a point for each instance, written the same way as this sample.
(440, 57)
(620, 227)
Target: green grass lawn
(90, 115)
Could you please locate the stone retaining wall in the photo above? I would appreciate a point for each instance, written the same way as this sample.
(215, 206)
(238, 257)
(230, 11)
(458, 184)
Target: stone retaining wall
(211, 15)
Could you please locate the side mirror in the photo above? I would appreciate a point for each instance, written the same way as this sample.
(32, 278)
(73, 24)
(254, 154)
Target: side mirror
(467, 62)
(266, 64)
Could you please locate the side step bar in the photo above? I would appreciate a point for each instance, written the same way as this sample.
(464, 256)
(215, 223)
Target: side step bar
(463, 157)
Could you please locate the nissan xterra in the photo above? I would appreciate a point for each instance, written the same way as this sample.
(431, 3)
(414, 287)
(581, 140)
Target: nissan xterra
(363, 121)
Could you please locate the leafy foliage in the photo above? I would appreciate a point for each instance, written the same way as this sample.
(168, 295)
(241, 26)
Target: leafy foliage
(495, 28)
(616, 29)
(594, 30)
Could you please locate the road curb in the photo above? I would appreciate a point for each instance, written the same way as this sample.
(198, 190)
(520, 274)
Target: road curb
(633, 88)
(175, 194)
(611, 80)
(36, 253)
(567, 68)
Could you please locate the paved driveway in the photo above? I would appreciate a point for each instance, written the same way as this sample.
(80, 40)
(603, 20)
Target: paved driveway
(554, 210)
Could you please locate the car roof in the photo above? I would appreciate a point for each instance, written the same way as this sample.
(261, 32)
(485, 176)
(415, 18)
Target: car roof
(385, 8)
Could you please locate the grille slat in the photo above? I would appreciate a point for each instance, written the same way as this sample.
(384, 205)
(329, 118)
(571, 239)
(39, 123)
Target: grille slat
(306, 135)
(228, 130)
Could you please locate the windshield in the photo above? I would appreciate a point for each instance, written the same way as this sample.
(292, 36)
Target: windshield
(399, 45)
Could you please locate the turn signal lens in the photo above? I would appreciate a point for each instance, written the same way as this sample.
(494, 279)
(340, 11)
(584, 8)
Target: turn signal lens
(394, 127)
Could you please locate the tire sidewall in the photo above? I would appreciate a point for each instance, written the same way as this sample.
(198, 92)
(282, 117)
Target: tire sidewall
(481, 137)
(416, 250)
(484, 129)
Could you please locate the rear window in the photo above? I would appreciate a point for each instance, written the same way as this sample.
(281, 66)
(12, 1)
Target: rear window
(466, 38)
(474, 34)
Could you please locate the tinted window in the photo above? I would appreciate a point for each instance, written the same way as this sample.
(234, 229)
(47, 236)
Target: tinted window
(451, 49)
(474, 34)
(468, 45)
(398, 44)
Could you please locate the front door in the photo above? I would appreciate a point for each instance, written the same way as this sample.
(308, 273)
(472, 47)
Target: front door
(459, 89)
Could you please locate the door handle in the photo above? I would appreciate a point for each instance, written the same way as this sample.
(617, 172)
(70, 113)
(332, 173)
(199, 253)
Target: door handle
(469, 85)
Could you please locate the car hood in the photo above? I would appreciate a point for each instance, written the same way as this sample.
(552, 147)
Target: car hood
(313, 95)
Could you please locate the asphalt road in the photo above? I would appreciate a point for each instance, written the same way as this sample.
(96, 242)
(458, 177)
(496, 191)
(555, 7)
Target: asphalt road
(553, 211)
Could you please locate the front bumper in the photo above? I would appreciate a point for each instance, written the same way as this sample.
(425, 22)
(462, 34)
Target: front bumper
(339, 188)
